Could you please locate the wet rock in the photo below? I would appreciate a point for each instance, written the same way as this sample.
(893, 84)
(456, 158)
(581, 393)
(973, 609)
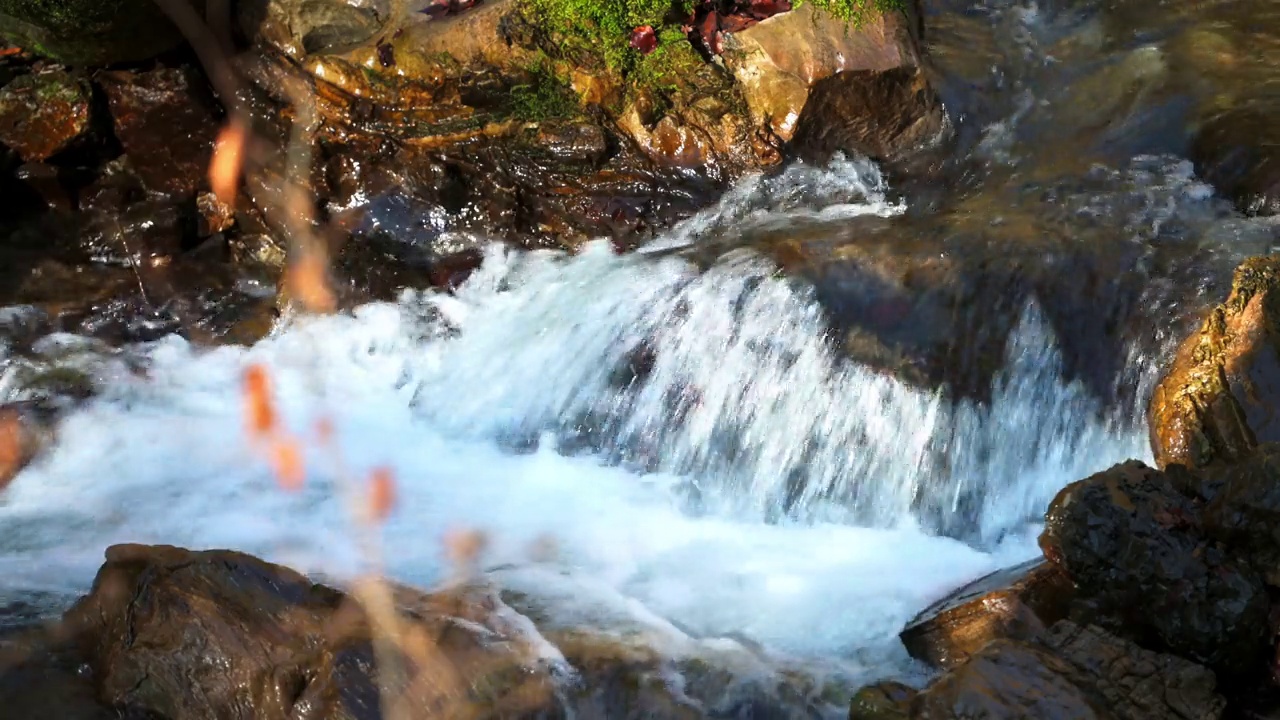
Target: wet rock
(579, 142)
(1218, 398)
(42, 114)
(1017, 603)
(1236, 152)
(124, 223)
(1246, 511)
(40, 678)
(881, 114)
(166, 121)
(1134, 547)
(215, 215)
(181, 634)
(886, 700)
(44, 180)
(1076, 672)
(89, 32)
(779, 61)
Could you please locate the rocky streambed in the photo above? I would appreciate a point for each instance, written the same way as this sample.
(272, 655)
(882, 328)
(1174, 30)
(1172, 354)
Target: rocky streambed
(822, 319)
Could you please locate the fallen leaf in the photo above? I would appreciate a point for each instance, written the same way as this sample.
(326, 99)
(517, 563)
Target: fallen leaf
(259, 406)
(644, 39)
(286, 461)
(228, 157)
(382, 493)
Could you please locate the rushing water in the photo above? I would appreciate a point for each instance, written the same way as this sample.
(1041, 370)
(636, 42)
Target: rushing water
(690, 436)
(740, 479)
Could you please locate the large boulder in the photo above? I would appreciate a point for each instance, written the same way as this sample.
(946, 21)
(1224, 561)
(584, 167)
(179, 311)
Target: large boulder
(177, 634)
(1245, 512)
(89, 32)
(1134, 547)
(1218, 399)
(780, 62)
(1017, 603)
(1075, 673)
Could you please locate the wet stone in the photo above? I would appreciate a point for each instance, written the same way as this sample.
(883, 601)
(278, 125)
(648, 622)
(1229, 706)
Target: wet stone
(1017, 603)
(574, 142)
(166, 122)
(1238, 152)
(42, 114)
(886, 700)
(1135, 549)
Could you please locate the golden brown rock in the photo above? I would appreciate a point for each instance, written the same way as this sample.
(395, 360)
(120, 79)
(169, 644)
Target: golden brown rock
(778, 61)
(1219, 398)
(1016, 603)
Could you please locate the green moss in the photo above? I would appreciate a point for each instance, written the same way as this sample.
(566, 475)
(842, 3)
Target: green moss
(855, 11)
(544, 97)
(604, 26)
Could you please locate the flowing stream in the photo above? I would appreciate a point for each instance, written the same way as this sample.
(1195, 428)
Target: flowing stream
(687, 438)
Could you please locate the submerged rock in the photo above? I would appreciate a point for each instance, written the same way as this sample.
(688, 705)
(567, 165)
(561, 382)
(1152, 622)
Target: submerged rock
(886, 700)
(1238, 152)
(1017, 603)
(1142, 566)
(1218, 399)
(1075, 673)
(42, 114)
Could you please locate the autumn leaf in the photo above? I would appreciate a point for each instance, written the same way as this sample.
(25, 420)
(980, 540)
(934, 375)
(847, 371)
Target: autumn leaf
(382, 494)
(228, 158)
(258, 403)
(286, 461)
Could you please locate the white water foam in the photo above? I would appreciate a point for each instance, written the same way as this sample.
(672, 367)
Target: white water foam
(752, 485)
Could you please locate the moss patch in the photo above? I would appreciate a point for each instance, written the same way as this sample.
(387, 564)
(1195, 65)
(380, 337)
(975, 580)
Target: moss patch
(544, 97)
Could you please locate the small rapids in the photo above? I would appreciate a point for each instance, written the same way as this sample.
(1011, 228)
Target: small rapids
(704, 462)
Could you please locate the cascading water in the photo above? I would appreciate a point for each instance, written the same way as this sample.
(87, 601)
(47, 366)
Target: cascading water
(702, 457)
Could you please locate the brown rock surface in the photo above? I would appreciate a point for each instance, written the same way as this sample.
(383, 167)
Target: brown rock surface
(1017, 603)
(43, 113)
(1220, 395)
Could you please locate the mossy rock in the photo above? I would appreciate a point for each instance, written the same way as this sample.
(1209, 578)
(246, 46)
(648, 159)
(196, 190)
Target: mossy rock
(89, 32)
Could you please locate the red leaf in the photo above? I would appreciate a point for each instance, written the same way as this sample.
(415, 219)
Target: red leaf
(644, 39)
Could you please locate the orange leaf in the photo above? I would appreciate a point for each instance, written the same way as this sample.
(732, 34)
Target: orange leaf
(463, 547)
(12, 452)
(286, 460)
(308, 283)
(258, 404)
(382, 493)
(324, 430)
(228, 157)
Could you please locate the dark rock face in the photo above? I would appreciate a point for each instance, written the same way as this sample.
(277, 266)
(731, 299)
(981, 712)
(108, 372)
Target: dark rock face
(1246, 511)
(1133, 546)
(42, 114)
(1237, 153)
(1218, 399)
(882, 115)
(1018, 603)
(166, 122)
(1076, 672)
(89, 32)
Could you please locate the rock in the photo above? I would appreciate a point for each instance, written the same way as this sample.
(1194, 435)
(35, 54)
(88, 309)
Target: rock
(90, 32)
(42, 114)
(1142, 567)
(1216, 402)
(166, 121)
(41, 679)
(1245, 514)
(178, 634)
(881, 114)
(1017, 603)
(215, 215)
(1237, 152)
(887, 700)
(1076, 672)
(123, 223)
(779, 61)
